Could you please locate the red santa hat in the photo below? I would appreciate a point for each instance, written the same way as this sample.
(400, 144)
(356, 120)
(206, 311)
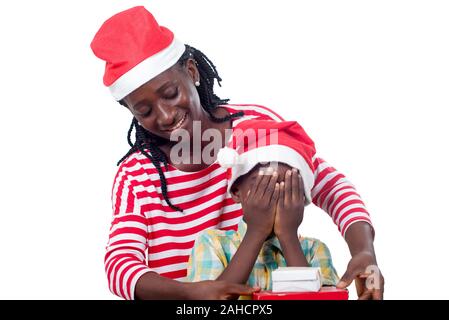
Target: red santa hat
(259, 141)
(136, 49)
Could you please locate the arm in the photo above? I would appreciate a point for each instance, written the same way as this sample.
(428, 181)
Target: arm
(289, 215)
(293, 254)
(242, 262)
(204, 266)
(152, 286)
(360, 238)
(337, 196)
(125, 251)
(125, 254)
(128, 275)
(259, 208)
(334, 194)
(363, 267)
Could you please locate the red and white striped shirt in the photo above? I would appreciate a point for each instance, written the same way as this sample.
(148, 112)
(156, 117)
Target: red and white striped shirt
(147, 235)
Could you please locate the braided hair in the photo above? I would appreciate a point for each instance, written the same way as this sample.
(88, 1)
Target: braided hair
(146, 141)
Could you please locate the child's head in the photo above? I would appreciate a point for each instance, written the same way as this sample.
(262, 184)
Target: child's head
(241, 187)
(266, 143)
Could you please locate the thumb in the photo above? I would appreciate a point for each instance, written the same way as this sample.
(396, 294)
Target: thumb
(346, 279)
(242, 289)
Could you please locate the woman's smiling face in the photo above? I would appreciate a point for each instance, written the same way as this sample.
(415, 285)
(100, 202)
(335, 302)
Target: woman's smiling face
(168, 102)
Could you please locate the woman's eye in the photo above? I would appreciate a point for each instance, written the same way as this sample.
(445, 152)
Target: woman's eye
(143, 112)
(172, 94)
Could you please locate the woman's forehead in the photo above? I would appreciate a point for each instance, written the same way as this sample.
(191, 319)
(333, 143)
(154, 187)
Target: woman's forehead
(154, 86)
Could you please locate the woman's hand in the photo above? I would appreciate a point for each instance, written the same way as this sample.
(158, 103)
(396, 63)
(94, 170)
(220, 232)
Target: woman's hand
(369, 281)
(259, 206)
(290, 207)
(218, 290)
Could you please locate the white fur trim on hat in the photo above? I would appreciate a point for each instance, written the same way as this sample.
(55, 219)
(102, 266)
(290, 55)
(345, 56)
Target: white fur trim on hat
(147, 70)
(275, 153)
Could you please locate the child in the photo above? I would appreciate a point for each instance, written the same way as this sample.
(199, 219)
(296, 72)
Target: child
(272, 182)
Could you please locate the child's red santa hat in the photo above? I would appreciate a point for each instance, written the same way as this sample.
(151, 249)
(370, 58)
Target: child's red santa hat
(135, 48)
(259, 141)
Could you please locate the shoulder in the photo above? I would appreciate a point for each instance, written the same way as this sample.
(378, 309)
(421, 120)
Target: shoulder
(137, 164)
(314, 244)
(215, 237)
(136, 169)
(217, 234)
(254, 111)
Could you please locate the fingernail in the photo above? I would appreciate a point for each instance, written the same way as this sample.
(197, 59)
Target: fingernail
(260, 172)
(282, 183)
(295, 170)
(289, 172)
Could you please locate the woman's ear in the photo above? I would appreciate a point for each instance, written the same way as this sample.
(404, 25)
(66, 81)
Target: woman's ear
(192, 70)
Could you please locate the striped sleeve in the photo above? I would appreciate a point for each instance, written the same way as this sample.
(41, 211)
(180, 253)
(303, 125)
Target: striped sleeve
(333, 193)
(125, 259)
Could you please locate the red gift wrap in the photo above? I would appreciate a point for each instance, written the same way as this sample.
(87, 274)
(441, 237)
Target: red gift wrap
(325, 293)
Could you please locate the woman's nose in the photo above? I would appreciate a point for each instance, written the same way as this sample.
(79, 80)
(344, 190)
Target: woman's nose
(166, 116)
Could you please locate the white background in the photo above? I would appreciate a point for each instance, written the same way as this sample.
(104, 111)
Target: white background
(368, 80)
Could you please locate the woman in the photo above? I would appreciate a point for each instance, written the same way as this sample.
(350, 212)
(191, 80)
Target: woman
(160, 204)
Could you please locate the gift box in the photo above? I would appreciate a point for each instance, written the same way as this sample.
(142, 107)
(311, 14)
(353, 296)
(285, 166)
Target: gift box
(325, 293)
(296, 279)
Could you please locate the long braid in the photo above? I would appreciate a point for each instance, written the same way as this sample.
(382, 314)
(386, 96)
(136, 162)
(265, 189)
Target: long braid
(209, 101)
(130, 131)
(208, 73)
(156, 156)
(131, 144)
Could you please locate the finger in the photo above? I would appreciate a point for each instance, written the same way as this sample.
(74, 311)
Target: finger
(266, 176)
(360, 286)
(259, 184)
(302, 196)
(378, 294)
(364, 275)
(366, 295)
(348, 277)
(258, 180)
(271, 186)
(241, 289)
(288, 187)
(275, 197)
(257, 289)
(295, 186)
(343, 284)
(281, 195)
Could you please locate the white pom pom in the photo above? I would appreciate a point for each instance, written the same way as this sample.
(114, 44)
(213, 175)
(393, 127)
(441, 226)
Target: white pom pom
(227, 157)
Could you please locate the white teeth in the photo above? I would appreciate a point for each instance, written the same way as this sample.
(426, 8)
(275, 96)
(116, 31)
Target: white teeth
(179, 123)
